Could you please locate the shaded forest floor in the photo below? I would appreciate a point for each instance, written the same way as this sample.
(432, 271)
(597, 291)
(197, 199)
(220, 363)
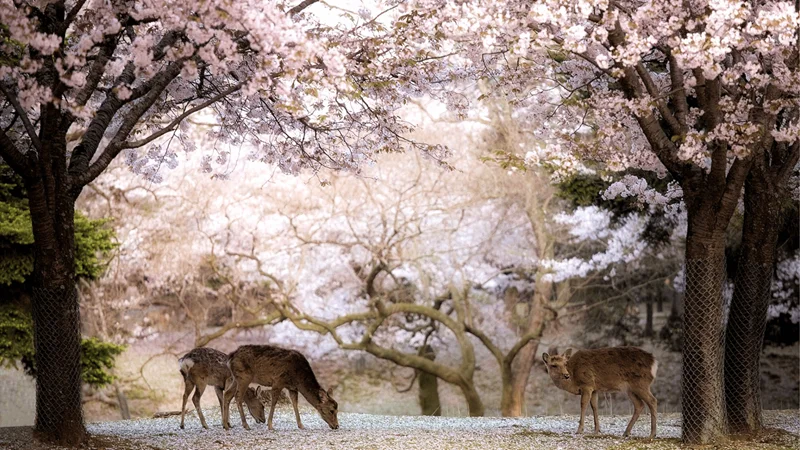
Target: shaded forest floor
(364, 431)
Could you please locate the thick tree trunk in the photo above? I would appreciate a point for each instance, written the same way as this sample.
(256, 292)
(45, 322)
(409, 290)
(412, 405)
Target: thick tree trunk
(748, 313)
(474, 403)
(428, 387)
(513, 399)
(56, 312)
(702, 386)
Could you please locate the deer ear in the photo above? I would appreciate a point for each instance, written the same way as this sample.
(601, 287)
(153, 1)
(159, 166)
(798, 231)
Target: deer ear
(568, 353)
(546, 358)
(553, 351)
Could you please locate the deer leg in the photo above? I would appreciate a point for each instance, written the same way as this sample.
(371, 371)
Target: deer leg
(586, 396)
(220, 395)
(227, 395)
(594, 413)
(638, 404)
(241, 389)
(198, 393)
(293, 396)
(187, 389)
(652, 404)
(274, 393)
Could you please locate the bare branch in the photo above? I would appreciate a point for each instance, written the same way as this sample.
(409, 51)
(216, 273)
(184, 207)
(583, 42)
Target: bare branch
(270, 319)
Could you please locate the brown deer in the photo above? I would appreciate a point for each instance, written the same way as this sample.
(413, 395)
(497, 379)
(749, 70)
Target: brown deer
(278, 368)
(588, 372)
(205, 366)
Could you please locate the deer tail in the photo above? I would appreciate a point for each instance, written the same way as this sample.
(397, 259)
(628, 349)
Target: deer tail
(185, 365)
(654, 368)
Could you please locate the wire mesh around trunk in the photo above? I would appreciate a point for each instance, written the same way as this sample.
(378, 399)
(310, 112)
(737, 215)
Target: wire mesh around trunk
(702, 386)
(57, 342)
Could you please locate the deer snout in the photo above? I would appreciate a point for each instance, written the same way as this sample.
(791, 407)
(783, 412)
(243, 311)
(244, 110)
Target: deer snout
(566, 376)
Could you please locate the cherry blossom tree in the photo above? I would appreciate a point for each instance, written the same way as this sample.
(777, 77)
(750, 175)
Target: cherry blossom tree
(83, 81)
(699, 90)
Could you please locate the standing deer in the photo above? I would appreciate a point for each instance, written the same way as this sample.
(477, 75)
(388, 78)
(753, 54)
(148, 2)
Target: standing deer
(206, 366)
(587, 372)
(278, 368)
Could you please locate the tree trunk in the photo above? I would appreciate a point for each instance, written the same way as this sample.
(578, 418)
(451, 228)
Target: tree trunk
(703, 348)
(428, 387)
(56, 312)
(748, 313)
(474, 403)
(513, 399)
(648, 326)
(122, 399)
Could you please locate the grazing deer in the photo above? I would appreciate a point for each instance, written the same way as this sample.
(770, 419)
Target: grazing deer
(587, 372)
(206, 366)
(278, 368)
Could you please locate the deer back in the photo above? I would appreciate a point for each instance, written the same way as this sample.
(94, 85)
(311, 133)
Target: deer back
(612, 368)
(205, 364)
(269, 365)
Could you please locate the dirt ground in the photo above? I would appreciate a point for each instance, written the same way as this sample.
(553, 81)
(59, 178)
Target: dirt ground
(365, 431)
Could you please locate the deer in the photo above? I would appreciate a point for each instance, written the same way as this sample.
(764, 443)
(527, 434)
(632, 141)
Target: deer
(202, 367)
(611, 369)
(279, 369)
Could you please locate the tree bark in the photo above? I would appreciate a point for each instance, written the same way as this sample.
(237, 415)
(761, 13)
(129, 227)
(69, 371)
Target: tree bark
(474, 403)
(648, 326)
(122, 399)
(702, 383)
(428, 387)
(513, 395)
(748, 313)
(56, 312)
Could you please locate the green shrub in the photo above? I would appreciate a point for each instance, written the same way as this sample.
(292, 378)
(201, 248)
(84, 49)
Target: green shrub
(98, 358)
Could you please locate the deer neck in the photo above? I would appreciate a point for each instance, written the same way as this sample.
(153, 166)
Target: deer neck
(568, 385)
(311, 395)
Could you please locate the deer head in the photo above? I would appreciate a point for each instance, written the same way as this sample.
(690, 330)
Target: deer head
(328, 408)
(255, 405)
(556, 366)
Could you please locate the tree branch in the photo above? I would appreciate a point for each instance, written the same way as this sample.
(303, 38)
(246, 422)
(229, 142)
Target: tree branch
(271, 319)
(171, 126)
(14, 158)
(128, 123)
(303, 5)
(23, 116)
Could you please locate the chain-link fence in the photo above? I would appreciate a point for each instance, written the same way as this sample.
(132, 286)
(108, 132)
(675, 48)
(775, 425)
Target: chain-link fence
(721, 384)
(747, 321)
(57, 342)
(702, 386)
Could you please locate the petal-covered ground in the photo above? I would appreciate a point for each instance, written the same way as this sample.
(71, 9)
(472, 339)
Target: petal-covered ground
(362, 431)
